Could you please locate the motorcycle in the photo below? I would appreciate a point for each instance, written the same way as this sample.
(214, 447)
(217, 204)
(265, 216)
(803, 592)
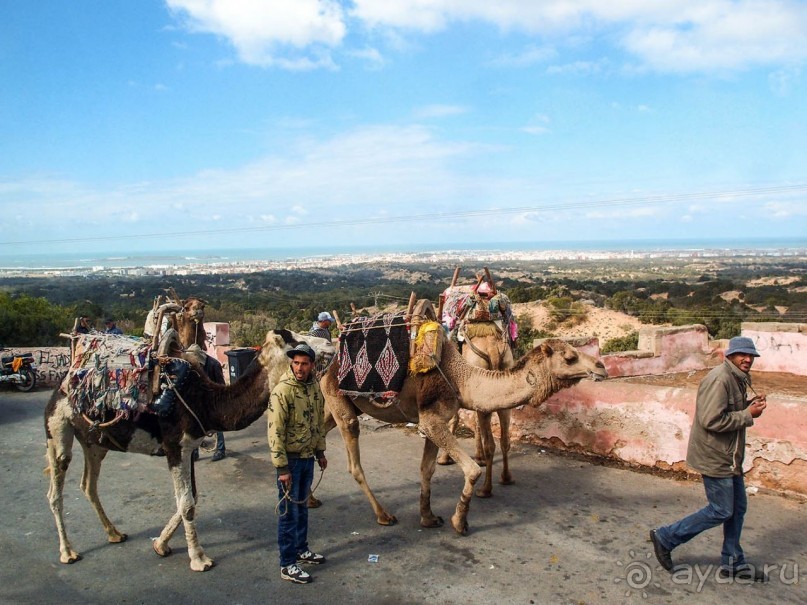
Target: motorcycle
(19, 370)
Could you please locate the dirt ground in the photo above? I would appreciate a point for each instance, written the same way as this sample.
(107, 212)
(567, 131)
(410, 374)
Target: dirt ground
(567, 532)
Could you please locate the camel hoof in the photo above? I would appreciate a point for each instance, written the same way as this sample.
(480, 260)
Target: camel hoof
(314, 502)
(445, 461)
(432, 522)
(483, 493)
(480, 461)
(162, 551)
(118, 539)
(202, 564)
(507, 481)
(461, 527)
(71, 558)
(387, 520)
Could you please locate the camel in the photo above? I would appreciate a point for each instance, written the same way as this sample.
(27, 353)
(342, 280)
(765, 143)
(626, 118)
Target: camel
(487, 349)
(185, 316)
(486, 346)
(431, 399)
(206, 407)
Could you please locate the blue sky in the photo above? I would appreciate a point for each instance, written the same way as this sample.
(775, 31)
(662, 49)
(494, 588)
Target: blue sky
(163, 125)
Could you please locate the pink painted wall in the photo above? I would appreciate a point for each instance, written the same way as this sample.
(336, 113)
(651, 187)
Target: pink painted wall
(783, 347)
(644, 425)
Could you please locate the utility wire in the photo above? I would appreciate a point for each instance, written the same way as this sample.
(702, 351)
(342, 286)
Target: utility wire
(437, 216)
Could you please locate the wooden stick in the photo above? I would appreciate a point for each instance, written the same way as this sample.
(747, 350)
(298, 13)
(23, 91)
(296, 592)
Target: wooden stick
(440, 303)
(412, 299)
(454, 278)
(479, 279)
(336, 317)
(490, 281)
(353, 310)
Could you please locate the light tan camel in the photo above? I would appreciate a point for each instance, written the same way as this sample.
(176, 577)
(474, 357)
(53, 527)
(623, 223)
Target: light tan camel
(431, 400)
(485, 347)
(210, 407)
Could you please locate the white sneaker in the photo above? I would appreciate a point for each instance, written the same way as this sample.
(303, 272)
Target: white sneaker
(294, 574)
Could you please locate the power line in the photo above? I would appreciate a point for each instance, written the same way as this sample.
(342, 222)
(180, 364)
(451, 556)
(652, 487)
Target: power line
(437, 216)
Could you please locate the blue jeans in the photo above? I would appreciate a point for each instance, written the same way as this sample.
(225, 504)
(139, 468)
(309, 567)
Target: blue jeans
(727, 506)
(292, 526)
(220, 442)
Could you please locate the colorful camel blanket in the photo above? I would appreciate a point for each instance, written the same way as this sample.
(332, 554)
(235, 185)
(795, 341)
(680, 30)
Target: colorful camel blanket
(463, 307)
(373, 356)
(108, 372)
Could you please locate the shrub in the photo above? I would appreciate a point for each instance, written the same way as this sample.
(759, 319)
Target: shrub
(629, 342)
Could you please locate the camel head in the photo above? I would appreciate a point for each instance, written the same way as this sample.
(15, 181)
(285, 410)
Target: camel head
(287, 340)
(193, 309)
(566, 364)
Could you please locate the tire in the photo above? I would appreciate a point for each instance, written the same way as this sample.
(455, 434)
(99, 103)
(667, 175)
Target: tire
(29, 380)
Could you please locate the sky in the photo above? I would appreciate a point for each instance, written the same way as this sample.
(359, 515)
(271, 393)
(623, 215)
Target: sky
(218, 124)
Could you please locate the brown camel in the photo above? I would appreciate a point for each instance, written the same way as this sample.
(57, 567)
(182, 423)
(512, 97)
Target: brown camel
(431, 399)
(205, 407)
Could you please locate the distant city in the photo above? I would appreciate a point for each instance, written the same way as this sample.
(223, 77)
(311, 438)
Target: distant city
(251, 261)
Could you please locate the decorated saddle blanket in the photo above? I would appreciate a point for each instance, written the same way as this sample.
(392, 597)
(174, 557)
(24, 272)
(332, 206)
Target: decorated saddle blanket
(373, 356)
(108, 372)
(463, 307)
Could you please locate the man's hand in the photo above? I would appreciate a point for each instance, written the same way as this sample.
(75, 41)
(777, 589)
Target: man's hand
(757, 405)
(323, 462)
(285, 479)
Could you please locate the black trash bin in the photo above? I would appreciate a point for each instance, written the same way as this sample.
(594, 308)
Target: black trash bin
(239, 360)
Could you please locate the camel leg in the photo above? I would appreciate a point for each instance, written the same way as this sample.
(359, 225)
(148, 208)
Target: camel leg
(479, 441)
(330, 423)
(504, 426)
(444, 458)
(485, 435)
(427, 467)
(184, 490)
(436, 429)
(350, 434)
(60, 453)
(93, 457)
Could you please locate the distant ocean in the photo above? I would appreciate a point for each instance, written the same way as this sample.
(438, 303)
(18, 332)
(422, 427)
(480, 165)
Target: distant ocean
(17, 259)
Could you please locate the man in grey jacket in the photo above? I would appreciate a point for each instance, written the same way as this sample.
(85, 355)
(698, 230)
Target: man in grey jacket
(716, 450)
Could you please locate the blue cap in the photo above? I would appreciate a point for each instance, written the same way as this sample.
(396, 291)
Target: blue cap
(325, 316)
(302, 349)
(741, 344)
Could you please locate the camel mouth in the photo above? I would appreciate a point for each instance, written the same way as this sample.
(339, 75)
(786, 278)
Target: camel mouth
(597, 377)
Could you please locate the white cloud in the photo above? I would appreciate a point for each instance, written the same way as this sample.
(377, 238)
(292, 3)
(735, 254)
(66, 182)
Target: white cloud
(439, 111)
(264, 31)
(537, 125)
(665, 35)
(530, 55)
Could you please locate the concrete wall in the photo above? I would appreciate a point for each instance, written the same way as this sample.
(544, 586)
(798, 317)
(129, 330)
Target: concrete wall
(648, 426)
(783, 346)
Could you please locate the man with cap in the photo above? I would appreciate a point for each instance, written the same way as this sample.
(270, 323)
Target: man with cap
(716, 450)
(111, 327)
(296, 431)
(321, 327)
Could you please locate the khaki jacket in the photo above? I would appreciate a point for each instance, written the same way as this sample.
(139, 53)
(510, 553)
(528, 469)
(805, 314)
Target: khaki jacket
(717, 439)
(296, 421)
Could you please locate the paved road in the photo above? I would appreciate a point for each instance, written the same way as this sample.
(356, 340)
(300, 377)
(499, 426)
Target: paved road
(567, 532)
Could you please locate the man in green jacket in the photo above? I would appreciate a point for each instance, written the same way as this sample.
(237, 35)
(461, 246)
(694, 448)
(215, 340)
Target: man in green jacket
(716, 450)
(296, 431)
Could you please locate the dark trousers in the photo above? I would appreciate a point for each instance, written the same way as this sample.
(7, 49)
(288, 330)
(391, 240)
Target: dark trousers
(727, 506)
(292, 525)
